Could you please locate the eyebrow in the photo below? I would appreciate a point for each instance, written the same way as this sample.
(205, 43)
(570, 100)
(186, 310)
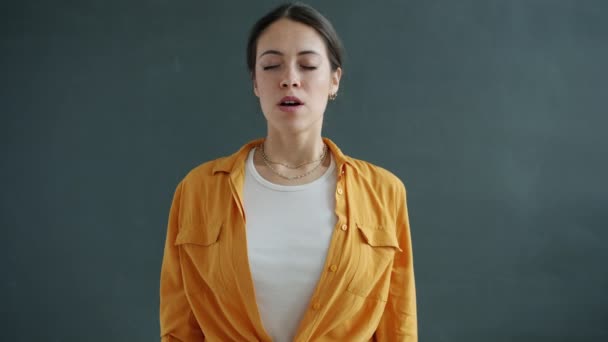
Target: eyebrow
(279, 53)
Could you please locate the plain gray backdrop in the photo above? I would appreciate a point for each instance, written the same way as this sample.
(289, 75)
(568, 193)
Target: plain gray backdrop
(493, 113)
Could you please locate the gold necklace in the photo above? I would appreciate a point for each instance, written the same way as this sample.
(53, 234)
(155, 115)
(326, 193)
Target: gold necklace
(276, 172)
(321, 158)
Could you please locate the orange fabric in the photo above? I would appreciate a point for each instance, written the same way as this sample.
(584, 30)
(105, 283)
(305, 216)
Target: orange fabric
(366, 292)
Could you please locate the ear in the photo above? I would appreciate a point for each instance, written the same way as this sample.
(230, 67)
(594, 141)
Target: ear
(335, 80)
(255, 87)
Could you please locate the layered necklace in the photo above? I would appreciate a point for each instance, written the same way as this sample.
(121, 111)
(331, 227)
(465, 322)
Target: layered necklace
(269, 163)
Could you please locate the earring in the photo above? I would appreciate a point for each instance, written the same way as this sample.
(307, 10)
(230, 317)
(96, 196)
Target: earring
(333, 96)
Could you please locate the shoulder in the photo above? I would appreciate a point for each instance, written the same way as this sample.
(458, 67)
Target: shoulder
(205, 169)
(376, 175)
(203, 173)
(216, 168)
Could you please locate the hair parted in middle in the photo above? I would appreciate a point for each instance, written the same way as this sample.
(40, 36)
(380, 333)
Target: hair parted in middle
(304, 14)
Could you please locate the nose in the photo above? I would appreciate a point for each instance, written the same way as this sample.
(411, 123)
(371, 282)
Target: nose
(290, 79)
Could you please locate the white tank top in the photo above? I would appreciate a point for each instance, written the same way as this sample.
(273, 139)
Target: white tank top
(288, 233)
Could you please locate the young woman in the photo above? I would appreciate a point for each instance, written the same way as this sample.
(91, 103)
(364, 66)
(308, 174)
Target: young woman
(289, 239)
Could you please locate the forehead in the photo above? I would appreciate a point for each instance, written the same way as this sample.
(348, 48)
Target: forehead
(289, 36)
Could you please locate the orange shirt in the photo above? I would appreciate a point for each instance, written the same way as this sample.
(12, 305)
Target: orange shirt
(366, 292)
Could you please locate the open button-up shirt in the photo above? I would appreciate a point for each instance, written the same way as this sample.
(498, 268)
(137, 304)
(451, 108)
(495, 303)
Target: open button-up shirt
(366, 292)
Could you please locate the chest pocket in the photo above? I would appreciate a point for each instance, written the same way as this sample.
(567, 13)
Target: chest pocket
(376, 247)
(202, 254)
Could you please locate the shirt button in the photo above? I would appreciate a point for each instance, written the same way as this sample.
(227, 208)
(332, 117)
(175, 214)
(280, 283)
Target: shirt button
(333, 268)
(340, 191)
(344, 227)
(316, 306)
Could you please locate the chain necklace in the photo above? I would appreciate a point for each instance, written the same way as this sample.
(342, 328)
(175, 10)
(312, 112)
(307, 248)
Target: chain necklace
(276, 172)
(321, 158)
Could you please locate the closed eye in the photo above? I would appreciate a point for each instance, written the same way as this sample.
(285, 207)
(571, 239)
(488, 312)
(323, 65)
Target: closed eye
(305, 67)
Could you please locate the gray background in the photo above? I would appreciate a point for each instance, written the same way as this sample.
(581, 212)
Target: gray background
(493, 113)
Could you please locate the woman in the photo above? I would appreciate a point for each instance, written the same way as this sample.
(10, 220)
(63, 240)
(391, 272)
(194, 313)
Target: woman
(289, 239)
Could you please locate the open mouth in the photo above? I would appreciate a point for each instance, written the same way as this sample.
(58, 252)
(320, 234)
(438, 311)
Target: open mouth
(290, 101)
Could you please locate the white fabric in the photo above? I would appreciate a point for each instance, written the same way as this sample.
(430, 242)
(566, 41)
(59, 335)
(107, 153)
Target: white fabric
(288, 233)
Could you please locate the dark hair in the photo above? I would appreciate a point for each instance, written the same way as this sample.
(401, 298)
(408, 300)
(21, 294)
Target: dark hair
(300, 13)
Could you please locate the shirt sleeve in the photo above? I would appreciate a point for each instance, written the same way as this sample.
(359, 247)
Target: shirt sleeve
(177, 322)
(399, 321)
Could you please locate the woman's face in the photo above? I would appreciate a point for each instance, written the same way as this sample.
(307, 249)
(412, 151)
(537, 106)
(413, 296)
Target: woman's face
(293, 76)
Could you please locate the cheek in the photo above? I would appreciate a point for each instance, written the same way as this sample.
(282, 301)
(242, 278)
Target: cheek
(320, 85)
(263, 88)
(322, 79)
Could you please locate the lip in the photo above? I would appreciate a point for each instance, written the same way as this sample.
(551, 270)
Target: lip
(291, 98)
(290, 109)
